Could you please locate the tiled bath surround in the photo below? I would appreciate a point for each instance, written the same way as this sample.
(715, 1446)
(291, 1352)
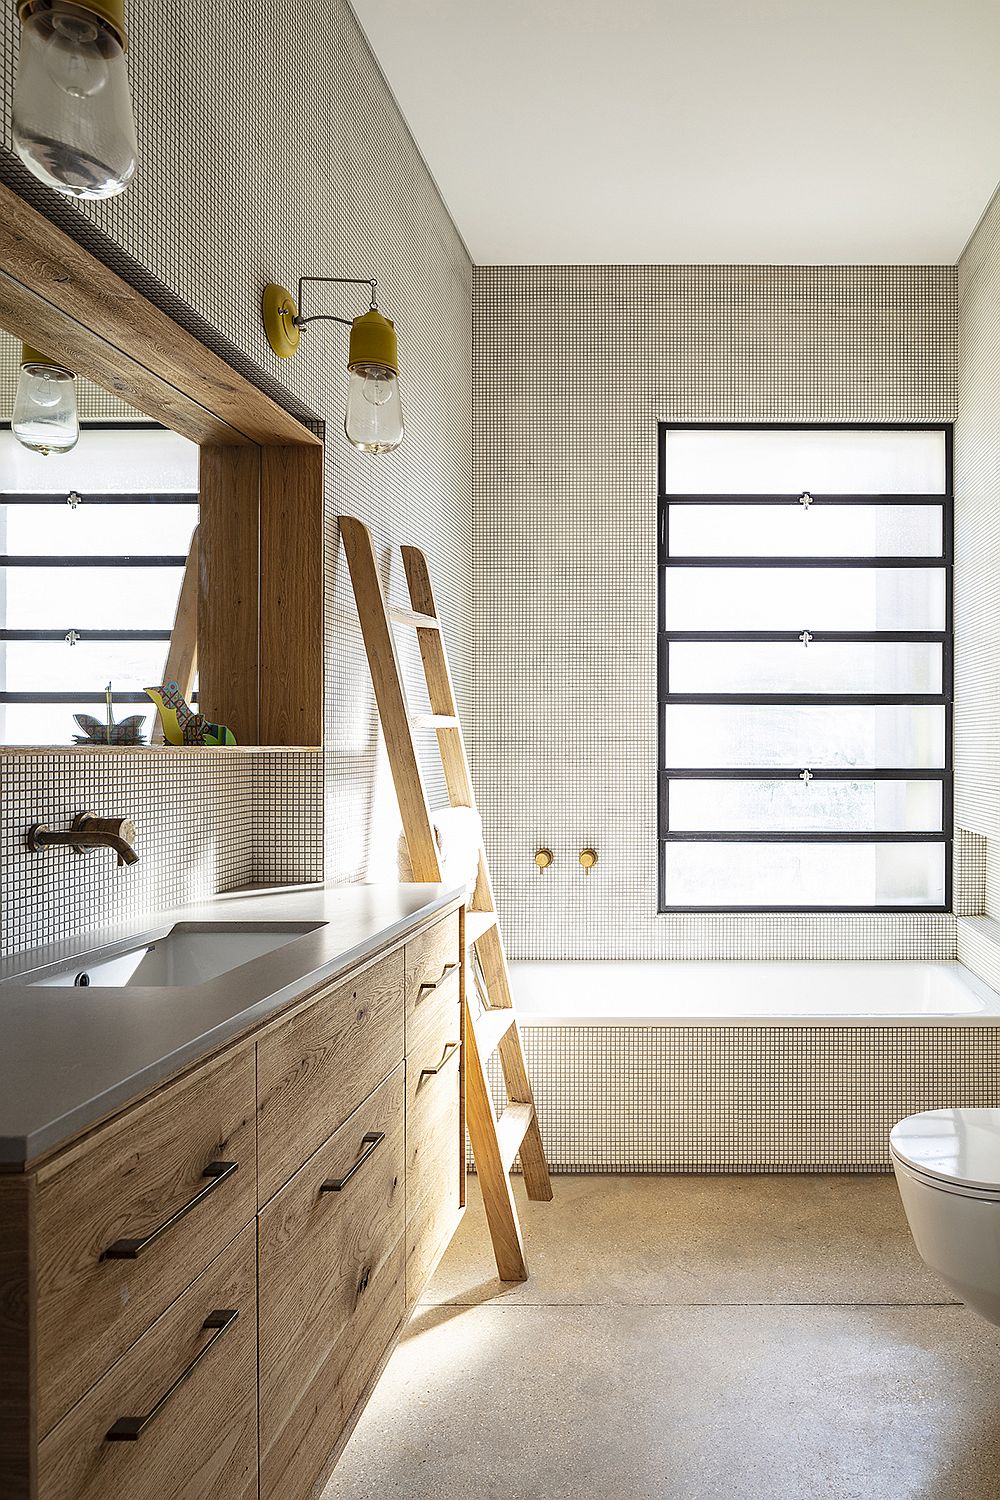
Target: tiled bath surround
(786, 1097)
(264, 159)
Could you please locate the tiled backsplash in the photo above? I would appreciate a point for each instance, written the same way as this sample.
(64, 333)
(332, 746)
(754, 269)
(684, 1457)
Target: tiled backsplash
(206, 821)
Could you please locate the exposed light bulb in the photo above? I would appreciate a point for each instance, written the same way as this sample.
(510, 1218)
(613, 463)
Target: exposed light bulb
(44, 418)
(377, 388)
(72, 117)
(373, 421)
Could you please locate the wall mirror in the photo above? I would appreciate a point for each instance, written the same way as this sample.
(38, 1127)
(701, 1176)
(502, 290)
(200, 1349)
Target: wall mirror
(178, 540)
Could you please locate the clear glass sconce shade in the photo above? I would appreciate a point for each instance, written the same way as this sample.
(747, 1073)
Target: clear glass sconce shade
(72, 116)
(44, 417)
(374, 417)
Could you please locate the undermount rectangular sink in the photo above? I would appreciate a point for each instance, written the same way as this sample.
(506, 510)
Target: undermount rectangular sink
(191, 953)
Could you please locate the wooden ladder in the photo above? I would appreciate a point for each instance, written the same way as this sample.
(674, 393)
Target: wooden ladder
(495, 1142)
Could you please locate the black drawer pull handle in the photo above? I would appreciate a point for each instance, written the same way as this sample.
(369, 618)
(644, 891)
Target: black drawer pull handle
(446, 1056)
(432, 984)
(131, 1429)
(372, 1140)
(218, 1171)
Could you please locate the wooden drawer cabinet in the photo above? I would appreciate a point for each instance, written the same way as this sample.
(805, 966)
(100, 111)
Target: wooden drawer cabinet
(432, 976)
(215, 1276)
(201, 1442)
(123, 1185)
(434, 1145)
(331, 1289)
(317, 1066)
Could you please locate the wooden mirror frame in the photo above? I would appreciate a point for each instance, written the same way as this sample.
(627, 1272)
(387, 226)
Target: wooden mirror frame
(260, 618)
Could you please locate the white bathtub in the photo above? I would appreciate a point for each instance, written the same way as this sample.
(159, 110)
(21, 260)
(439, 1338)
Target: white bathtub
(748, 1066)
(643, 992)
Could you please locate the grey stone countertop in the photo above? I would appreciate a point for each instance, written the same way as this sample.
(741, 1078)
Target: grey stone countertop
(70, 1056)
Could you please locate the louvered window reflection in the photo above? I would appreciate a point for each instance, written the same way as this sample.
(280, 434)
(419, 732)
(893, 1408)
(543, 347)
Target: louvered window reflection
(805, 668)
(93, 546)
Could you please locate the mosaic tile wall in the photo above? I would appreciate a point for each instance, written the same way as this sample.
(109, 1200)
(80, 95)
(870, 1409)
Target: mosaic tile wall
(206, 821)
(260, 162)
(573, 366)
(782, 1098)
(977, 579)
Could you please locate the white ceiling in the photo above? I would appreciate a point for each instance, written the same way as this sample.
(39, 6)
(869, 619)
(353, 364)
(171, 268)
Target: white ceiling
(674, 131)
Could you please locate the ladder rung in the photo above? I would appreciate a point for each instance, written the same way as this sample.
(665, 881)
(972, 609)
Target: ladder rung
(434, 721)
(477, 923)
(491, 1026)
(400, 616)
(512, 1127)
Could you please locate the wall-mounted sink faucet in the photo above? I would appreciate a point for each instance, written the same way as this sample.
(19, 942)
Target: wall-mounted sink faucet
(88, 831)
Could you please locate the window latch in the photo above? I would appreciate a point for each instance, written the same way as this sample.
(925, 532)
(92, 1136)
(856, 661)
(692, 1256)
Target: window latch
(805, 637)
(71, 637)
(805, 499)
(73, 499)
(806, 776)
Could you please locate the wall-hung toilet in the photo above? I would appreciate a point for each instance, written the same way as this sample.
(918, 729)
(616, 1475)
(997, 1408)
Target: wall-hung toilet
(947, 1165)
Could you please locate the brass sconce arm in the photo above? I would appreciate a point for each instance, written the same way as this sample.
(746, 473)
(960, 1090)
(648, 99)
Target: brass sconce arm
(300, 320)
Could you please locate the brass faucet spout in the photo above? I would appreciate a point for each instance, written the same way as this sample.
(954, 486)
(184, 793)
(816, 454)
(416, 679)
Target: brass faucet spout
(88, 832)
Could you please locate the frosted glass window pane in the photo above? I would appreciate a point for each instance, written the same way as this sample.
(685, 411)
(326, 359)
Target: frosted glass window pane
(799, 807)
(780, 874)
(98, 598)
(89, 530)
(53, 723)
(749, 530)
(55, 667)
(790, 667)
(103, 462)
(759, 461)
(814, 735)
(807, 598)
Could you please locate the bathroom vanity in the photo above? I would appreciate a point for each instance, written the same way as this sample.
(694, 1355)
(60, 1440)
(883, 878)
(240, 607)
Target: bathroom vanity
(219, 1201)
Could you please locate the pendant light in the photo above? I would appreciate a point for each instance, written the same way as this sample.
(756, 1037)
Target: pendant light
(373, 420)
(72, 119)
(44, 419)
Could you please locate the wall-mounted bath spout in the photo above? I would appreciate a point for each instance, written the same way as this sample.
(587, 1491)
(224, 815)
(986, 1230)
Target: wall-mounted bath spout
(89, 832)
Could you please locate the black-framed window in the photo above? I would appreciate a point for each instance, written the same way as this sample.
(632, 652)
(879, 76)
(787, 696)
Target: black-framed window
(805, 667)
(93, 545)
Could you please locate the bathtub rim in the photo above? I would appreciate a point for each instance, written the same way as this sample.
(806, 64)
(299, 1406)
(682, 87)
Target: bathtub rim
(985, 1018)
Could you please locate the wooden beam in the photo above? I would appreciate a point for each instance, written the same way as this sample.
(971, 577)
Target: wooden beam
(291, 596)
(55, 294)
(228, 570)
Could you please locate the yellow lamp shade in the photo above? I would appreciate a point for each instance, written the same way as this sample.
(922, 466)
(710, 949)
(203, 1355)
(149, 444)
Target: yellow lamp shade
(373, 342)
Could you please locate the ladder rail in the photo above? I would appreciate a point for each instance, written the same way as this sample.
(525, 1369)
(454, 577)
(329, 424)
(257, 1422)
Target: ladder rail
(495, 1143)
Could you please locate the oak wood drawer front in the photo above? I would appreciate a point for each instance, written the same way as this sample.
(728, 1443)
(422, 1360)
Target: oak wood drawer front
(432, 964)
(433, 1096)
(331, 1290)
(434, 1165)
(104, 1197)
(202, 1442)
(318, 1065)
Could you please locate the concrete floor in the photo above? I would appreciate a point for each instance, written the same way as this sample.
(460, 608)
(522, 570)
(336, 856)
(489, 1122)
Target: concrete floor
(688, 1338)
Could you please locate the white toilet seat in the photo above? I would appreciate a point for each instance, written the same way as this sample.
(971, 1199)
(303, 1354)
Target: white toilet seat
(954, 1150)
(940, 1185)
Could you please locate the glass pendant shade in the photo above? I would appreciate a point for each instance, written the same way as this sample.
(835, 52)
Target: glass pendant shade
(72, 116)
(44, 417)
(374, 417)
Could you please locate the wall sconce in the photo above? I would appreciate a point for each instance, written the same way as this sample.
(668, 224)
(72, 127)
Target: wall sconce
(72, 119)
(44, 418)
(373, 421)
